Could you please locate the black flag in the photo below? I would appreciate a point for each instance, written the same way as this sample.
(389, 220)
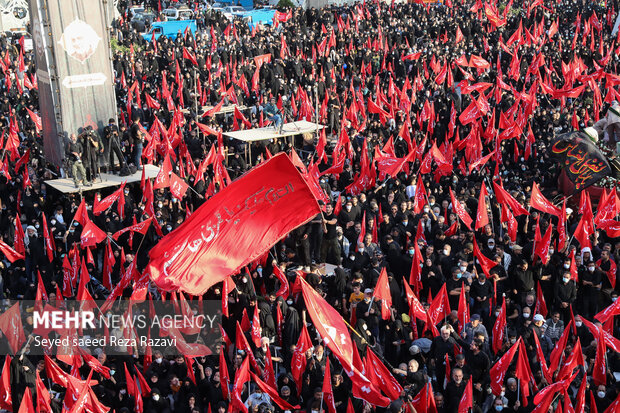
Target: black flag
(584, 163)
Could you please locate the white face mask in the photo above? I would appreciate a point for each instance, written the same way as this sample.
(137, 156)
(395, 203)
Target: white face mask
(567, 266)
(156, 397)
(348, 207)
(446, 252)
(497, 314)
(591, 269)
(526, 315)
(158, 360)
(551, 252)
(601, 394)
(578, 323)
(566, 280)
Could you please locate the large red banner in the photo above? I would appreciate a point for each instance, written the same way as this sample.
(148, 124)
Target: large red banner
(236, 226)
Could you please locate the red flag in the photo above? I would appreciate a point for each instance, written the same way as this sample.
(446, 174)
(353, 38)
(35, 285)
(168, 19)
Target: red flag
(482, 217)
(187, 55)
(486, 263)
(283, 291)
(36, 119)
(328, 393)
(298, 361)
(539, 202)
(379, 374)
(459, 35)
(11, 326)
(163, 176)
(463, 310)
(273, 393)
(5, 385)
(43, 397)
(10, 253)
(178, 187)
(504, 197)
(141, 227)
(224, 378)
(499, 369)
(599, 372)
(91, 235)
(256, 328)
(467, 400)
(460, 210)
(541, 306)
(420, 196)
(382, 292)
(499, 329)
(558, 350)
(242, 118)
(440, 307)
(609, 312)
(241, 377)
(26, 404)
(192, 261)
(541, 248)
(332, 329)
(94, 363)
(108, 201)
(543, 362)
(524, 373)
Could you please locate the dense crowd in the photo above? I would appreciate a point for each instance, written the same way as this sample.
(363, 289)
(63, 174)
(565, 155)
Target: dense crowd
(438, 85)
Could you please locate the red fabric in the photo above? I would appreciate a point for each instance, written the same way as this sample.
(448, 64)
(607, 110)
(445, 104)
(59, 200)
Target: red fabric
(599, 371)
(187, 55)
(10, 253)
(504, 197)
(108, 201)
(467, 400)
(178, 186)
(330, 324)
(91, 235)
(140, 227)
(460, 210)
(273, 393)
(499, 329)
(11, 326)
(378, 373)
(284, 289)
(440, 307)
(26, 404)
(162, 179)
(482, 217)
(382, 292)
(298, 361)
(5, 385)
(328, 393)
(539, 202)
(191, 261)
(43, 397)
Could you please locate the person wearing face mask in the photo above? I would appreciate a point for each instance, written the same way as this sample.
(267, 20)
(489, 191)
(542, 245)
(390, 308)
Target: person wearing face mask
(565, 294)
(156, 403)
(481, 292)
(160, 365)
(602, 401)
(454, 286)
(523, 279)
(589, 290)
